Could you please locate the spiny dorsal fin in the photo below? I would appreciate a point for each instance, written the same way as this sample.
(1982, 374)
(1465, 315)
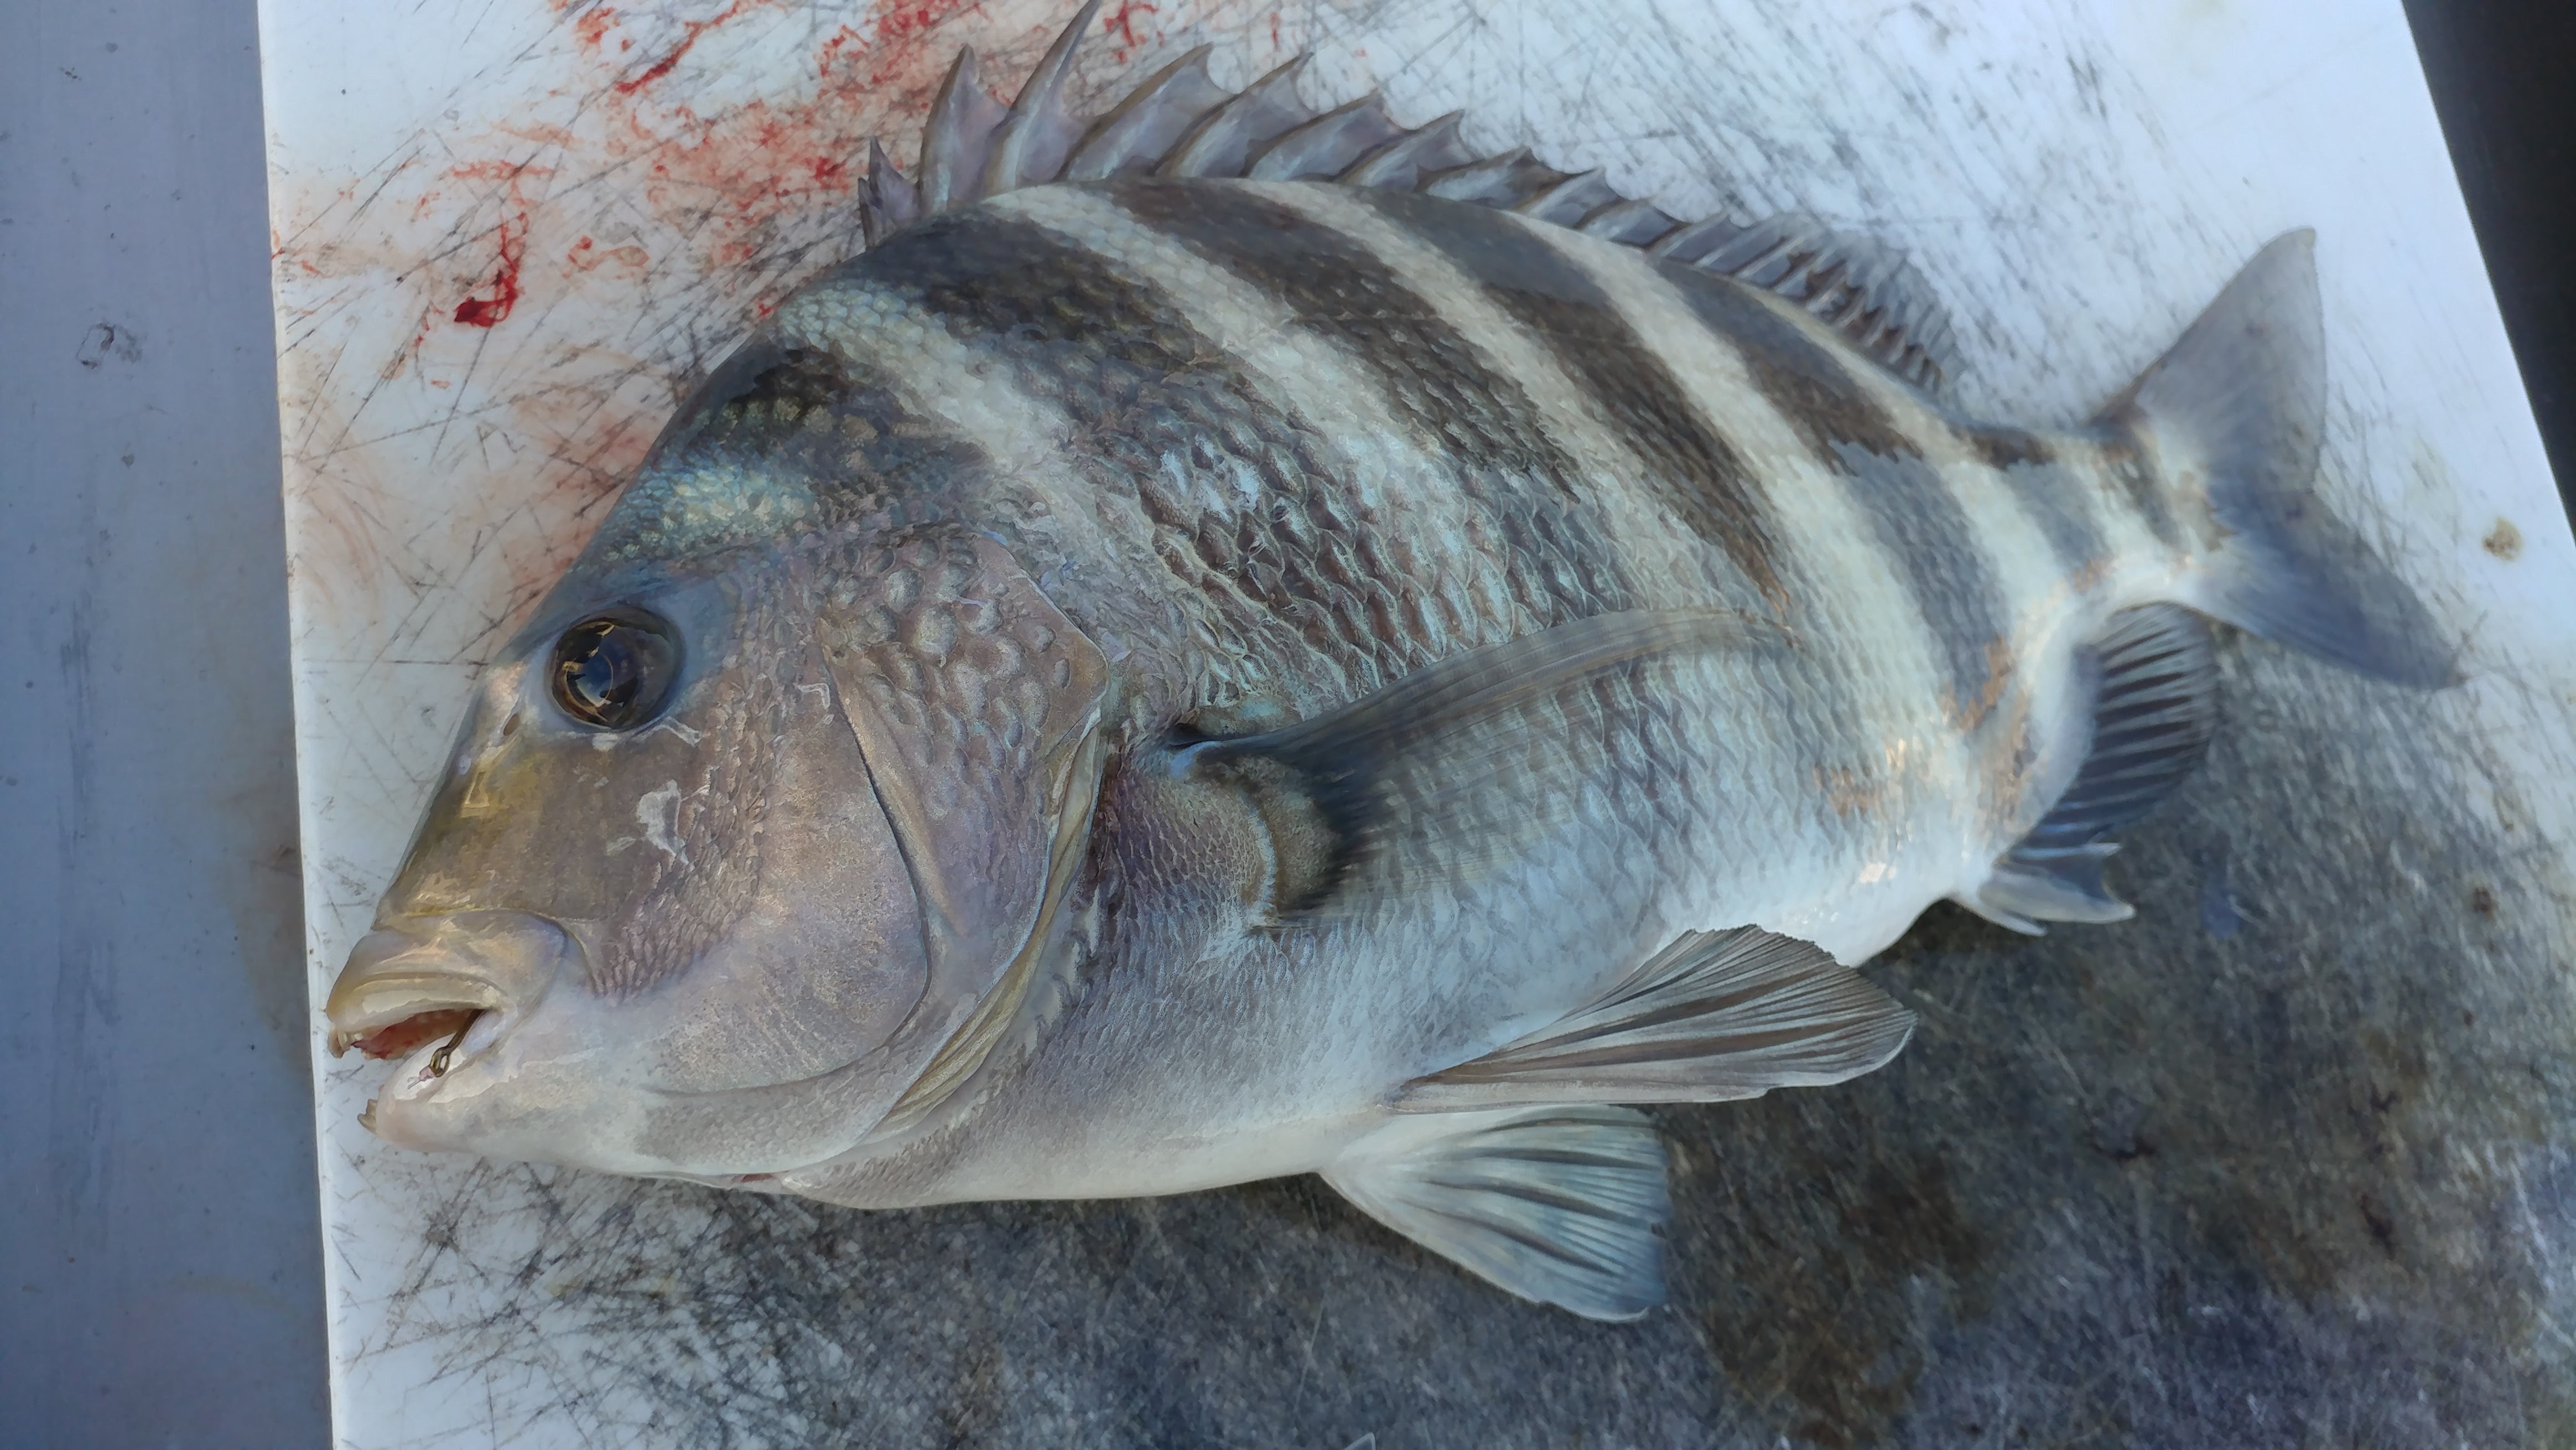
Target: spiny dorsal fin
(1223, 141)
(1180, 122)
(888, 202)
(1569, 201)
(1038, 134)
(1501, 182)
(1635, 223)
(1402, 163)
(1557, 1204)
(1713, 1017)
(1329, 144)
(1140, 129)
(958, 138)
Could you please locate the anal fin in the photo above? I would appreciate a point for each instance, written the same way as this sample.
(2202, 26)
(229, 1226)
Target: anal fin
(1562, 1205)
(2155, 706)
(1713, 1017)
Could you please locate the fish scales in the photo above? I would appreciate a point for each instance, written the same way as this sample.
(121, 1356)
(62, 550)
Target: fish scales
(1155, 334)
(1696, 476)
(1187, 457)
(1448, 464)
(2054, 500)
(1464, 418)
(1140, 684)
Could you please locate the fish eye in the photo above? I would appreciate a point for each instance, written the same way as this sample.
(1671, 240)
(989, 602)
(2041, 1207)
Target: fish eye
(614, 670)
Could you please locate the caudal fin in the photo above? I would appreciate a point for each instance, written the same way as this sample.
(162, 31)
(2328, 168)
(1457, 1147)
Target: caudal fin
(2232, 418)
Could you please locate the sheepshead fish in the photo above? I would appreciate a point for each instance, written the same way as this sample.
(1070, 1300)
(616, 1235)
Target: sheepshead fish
(1232, 641)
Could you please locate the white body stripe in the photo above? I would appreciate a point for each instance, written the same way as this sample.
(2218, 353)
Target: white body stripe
(1405, 490)
(1562, 402)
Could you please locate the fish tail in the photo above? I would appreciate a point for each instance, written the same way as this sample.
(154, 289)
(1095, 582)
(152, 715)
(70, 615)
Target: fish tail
(2229, 423)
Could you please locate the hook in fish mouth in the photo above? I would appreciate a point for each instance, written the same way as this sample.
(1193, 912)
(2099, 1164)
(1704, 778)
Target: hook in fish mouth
(415, 983)
(398, 1039)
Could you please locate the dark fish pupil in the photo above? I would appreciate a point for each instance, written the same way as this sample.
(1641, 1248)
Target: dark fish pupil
(614, 671)
(607, 677)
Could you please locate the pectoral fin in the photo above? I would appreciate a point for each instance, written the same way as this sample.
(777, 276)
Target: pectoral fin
(1430, 781)
(1557, 1204)
(1714, 1016)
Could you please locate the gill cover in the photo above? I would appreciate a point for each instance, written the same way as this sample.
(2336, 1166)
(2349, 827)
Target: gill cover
(977, 705)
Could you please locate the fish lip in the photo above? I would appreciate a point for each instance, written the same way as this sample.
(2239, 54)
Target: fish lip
(497, 963)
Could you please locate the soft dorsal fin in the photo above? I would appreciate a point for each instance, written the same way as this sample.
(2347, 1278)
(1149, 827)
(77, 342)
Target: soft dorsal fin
(1557, 1204)
(2155, 706)
(1713, 1017)
(1861, 288)
(1427, 781)
(1180, 122)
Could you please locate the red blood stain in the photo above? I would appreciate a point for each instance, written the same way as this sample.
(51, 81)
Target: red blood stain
(1124, 22)
(894, 50)
(733, 177)
(640, 168)
(594, 24)
(899, 23)
(489, 311)
(588, 256)
(496, 170)
(737, 174)
(510, 239)
(693, 30)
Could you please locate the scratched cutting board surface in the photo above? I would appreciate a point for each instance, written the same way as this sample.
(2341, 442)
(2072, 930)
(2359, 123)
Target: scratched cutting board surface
(2287, 1158)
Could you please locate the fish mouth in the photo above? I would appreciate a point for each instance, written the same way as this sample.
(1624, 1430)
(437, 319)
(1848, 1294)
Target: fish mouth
(411, 984)
(398, 1039)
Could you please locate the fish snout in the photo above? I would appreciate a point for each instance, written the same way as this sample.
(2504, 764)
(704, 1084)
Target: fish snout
(408, 985)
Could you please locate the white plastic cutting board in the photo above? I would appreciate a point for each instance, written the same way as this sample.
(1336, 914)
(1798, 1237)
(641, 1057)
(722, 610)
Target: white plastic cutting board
(509, 231)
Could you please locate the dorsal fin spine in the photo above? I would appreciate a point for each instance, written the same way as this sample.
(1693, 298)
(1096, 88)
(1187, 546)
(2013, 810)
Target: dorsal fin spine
(1180, 122)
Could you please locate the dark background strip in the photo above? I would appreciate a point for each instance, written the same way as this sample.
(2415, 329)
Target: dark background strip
(160, 1265)
(2503, 76)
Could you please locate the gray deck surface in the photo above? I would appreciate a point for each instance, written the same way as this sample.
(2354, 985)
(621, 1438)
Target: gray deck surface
(160, 1268)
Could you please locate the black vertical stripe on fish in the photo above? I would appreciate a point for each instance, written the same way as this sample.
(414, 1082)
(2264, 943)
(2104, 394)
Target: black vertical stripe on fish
(2129, 469)
(836, 425)
(877, 444)
(1918, 524)
(2010, 447)
(1155, 396)
(1696, 475)
(1825, 715)
(2049, 494)
(1478, 420)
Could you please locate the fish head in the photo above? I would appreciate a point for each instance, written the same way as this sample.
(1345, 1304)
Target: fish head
(730, 859)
